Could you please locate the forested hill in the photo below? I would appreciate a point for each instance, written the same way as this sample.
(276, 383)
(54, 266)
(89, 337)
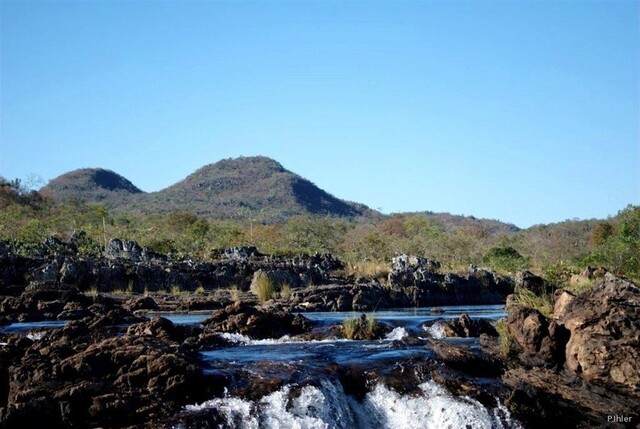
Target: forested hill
(246, 187)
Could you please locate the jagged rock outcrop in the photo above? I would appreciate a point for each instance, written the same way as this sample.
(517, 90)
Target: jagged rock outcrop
(419, 282)
(528, 281)
(590, 347)
(605, 334)
(541, 341)
(81, 376)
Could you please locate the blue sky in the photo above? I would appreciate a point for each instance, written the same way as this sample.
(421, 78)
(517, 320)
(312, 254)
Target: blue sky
(523, 111)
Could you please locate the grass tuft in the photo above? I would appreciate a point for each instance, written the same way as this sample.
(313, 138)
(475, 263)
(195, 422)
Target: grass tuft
(263, 287)
(504, 337)
(527, 299)
(285, 291)
(92, 291)
(370, 270)
(235, 293)
(360, 328)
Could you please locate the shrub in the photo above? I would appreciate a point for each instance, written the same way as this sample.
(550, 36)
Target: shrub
(505, 258)
(200, 290)
(360, 328)
(559, 275)
(176, 290)
(263, 287)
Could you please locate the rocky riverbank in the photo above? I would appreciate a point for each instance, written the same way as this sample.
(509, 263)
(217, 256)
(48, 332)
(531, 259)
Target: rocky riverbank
(316, 283)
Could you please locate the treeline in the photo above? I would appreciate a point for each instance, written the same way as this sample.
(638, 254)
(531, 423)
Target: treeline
(557, 250)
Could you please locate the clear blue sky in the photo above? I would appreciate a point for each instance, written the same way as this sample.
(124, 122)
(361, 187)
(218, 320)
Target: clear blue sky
(523, 111)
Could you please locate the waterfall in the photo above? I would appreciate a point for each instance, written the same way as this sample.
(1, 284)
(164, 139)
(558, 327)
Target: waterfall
(327, 407)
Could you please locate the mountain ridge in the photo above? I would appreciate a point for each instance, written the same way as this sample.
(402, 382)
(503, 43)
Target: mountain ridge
(257, 187)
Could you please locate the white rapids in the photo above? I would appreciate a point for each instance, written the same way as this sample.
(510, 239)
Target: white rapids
(327, 406)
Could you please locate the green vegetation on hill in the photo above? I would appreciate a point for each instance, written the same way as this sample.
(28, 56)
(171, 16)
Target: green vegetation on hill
(255, 188)
(91, 185)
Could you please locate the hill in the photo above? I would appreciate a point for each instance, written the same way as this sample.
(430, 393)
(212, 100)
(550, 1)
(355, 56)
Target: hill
(451, 222)
(246, 187)
(91, 184)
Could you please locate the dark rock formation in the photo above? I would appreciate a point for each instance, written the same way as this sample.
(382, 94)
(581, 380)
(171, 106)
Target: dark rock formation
(464, 327)
(416, 281)
(257, 323)
(474, 362)
(528, 281)
(82, 376)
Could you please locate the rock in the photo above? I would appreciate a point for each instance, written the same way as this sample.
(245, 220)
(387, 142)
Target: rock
(472, 362)
(465, 327)
(404, 261)
(277, 279)
(367, 299)
(74, 272)
(79, 376)
(142, 303)
(604, 323)
(543, 396)
(246, 319)
(540, 340)
(562, 299)
(238, 253)
(529, 281)
(130, 250)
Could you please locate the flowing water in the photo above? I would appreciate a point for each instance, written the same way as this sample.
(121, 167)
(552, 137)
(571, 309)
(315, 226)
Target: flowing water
(311, 394)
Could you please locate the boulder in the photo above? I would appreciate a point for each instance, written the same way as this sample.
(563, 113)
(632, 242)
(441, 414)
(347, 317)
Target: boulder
(540, 340)
(529, 281)
(465, 327)
(604, 325)
(243, 318)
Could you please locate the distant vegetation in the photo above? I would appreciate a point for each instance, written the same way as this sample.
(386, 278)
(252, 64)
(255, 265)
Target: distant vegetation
(366, 244)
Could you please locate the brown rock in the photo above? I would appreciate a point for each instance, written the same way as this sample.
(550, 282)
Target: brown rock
(605, 340)
(541, 341)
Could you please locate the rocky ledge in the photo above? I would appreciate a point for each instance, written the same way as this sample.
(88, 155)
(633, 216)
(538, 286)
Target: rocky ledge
(578, 367)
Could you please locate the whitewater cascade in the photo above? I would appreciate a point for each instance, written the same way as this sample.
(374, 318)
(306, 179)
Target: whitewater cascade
(326, 406)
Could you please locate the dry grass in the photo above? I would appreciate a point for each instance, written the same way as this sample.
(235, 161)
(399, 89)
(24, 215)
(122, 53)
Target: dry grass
(370, 270)
(542, 303)
(263, 287)
(580, 284)
(235, 293)
(176, 290)
(92, 291)
(285, 291)
(359, 328)
(504, 337)
(200, 290)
